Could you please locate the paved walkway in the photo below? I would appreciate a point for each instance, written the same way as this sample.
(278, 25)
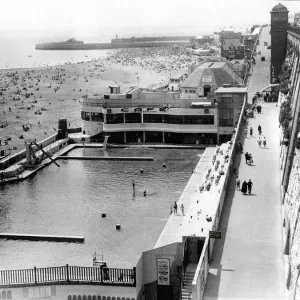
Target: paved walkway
(248, 261)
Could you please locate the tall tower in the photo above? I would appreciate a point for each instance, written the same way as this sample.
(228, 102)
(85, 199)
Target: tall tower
(279, 26)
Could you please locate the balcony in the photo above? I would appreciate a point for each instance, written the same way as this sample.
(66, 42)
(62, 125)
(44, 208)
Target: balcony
(140, 102)
(178, 128)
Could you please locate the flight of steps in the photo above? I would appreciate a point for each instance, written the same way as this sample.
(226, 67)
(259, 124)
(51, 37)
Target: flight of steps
(186, 290)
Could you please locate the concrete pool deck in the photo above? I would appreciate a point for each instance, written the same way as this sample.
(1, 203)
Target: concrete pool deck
(172, 231)
(22, 175)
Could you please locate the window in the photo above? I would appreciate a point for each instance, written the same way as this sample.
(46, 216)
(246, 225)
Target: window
(153, 118)
(200, 119)
(133, 118)
(225, 106)
(114, 119)
(97, 117)
(85, 116)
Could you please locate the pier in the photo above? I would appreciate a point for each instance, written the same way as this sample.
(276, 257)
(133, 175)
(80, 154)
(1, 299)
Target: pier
(42, 237)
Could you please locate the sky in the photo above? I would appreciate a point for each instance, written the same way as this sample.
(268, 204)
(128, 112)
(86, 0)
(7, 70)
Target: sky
(106, 18)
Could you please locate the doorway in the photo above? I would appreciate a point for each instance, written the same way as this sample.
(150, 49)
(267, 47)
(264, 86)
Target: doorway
(207, 89)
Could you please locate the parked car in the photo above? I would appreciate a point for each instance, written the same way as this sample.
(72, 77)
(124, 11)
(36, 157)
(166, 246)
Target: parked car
(269, 47)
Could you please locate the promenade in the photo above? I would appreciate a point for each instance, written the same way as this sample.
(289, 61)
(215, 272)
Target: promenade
(248, 262)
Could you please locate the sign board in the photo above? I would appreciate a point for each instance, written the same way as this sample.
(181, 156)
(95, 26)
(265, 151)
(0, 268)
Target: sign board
(215, 234)
(163, 271)
(206, 78)
(200, 91)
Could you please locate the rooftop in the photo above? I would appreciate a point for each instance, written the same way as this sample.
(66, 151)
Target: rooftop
(220, 73)
(233, 90)
(279, 8)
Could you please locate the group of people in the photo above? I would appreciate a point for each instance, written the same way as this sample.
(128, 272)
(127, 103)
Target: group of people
(261, 141)
(174, 208)
(133, 188)
(249, 158)
(246, 186)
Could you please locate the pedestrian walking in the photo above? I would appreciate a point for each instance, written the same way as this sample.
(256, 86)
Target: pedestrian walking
(265, 142)
(244, 187)
(133, 185)
(259, 141)
(259, 130)
(246, 156)
(182, 209)
(249, 185)
(175, 208)
(238, 183)
(251, 131)
(246, 132)
(250, 159)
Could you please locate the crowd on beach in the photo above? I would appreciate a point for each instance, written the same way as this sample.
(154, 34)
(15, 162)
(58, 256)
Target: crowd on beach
(172, 58)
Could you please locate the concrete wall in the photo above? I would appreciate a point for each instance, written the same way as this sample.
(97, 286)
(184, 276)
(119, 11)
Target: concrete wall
(5, 163)
(62, 292)
(140, 278)
(203, 265)
(173, 252)
(292, 227)
(201, 273)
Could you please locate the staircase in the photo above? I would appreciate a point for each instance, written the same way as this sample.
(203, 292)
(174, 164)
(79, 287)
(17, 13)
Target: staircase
(186, 289)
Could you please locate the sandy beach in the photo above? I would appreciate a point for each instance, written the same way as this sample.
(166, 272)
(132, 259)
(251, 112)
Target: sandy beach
(37, 97)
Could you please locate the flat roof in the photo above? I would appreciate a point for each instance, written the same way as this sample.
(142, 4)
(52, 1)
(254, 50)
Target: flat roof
(232, 90)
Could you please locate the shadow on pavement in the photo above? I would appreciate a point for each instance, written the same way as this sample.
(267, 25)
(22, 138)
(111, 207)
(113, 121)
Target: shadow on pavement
(216, 268)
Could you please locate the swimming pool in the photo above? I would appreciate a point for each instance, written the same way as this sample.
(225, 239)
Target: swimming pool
(69, 201)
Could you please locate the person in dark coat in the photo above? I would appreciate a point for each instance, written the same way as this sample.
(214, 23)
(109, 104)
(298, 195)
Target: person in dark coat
(246, 157)
(249, 185)
(259, 129)
(244, 187)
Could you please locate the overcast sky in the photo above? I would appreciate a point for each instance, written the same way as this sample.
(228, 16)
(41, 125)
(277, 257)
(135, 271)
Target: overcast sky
(131, 17)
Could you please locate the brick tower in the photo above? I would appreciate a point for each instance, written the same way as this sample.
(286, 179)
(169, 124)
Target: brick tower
(279, 26)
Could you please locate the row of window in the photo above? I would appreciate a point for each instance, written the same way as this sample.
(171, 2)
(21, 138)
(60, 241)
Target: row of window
(148, 118)
(87, 116)
(190, 91)
(5, 295)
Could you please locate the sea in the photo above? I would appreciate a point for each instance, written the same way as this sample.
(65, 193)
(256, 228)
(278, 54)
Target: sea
(21, 53)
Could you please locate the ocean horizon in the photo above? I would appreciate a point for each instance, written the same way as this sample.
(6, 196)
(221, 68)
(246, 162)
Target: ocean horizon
(21, 53)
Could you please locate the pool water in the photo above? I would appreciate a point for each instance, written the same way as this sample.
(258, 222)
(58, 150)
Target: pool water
(69, 200)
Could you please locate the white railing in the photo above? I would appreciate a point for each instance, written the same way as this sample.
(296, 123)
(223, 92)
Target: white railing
(178, 128)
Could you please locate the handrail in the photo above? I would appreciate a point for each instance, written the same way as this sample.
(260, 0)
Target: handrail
(69, 275)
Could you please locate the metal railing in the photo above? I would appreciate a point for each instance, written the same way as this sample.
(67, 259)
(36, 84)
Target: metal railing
(68, 275)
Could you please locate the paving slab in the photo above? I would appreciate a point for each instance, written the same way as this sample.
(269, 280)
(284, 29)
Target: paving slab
(248, 262)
